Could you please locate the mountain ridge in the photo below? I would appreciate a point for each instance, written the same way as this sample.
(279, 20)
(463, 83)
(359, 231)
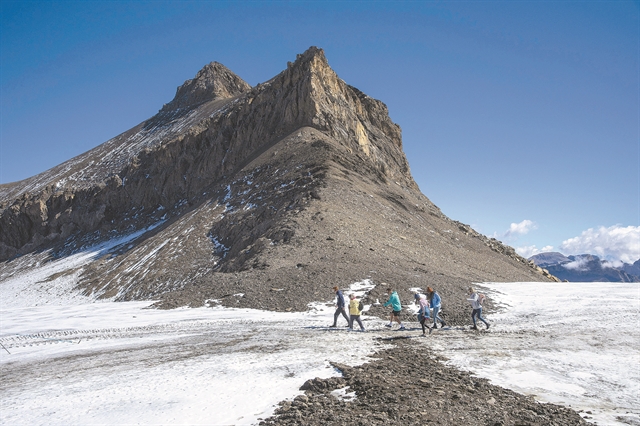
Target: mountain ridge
(293, 105)
(586, 268)
(277, 193)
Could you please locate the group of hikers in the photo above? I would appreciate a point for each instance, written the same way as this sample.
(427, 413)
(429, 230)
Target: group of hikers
(429, 306)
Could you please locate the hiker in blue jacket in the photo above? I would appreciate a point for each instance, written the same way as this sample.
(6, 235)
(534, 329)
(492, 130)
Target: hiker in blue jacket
(394, 301)
(340, 308)
(436, 304)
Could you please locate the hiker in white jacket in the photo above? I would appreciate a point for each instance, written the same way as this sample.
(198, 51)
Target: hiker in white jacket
(476, 300)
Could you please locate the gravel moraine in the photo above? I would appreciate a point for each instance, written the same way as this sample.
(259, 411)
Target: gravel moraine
(410, 385)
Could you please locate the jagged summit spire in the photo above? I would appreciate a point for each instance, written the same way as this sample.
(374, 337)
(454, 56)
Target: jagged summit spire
(313, 55)
(213, 81)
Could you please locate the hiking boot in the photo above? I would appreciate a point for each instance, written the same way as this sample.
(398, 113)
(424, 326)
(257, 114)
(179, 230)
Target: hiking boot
(402, 328)
(332, 325)
(444, 324)
(430, 330)
(488, 326)
(388, 325)
(349, 329)
(474, 328)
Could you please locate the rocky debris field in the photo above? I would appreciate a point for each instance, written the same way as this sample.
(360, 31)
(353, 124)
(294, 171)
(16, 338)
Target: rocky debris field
(409, 384)
(342, 232)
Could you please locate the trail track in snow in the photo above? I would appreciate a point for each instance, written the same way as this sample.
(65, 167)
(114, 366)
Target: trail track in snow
(76, 336)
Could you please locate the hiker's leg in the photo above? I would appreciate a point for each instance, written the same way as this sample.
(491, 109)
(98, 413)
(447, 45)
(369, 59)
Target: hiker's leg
(435, 316)
(480, 316)
(344, 314)
(335, 317)
(359, 321)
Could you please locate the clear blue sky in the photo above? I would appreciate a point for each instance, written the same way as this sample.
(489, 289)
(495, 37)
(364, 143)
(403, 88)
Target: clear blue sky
(521, 119)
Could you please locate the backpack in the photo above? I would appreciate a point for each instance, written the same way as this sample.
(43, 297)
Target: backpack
(360, 306)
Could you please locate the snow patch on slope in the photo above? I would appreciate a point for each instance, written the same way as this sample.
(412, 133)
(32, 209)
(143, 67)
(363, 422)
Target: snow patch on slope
(38, 279)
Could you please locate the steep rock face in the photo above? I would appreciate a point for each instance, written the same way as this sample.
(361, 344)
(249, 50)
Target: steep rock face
(361, 123)
(109, 188)
(211, 128)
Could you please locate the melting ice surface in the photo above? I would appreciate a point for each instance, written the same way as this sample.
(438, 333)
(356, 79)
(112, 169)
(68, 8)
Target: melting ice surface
(119, 363)
(575, 344)
(70, 361)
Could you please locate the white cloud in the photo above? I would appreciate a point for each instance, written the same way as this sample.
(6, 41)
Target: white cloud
(612, 264)
(580, 264)
(616, 243)
(520, 228)
(528, 251)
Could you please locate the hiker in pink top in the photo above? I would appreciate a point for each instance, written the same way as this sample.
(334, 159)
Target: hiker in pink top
(424, 313)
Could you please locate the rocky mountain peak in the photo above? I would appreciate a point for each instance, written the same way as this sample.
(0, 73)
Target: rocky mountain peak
(296, 184)
(312, 59)
(310, 93)
(214, 81)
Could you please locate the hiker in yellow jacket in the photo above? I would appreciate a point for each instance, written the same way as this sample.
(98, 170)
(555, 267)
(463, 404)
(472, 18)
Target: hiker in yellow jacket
(354, 312)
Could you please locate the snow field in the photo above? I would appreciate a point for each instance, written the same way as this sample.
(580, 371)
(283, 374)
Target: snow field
(66, 359)
(576, 344)
(119, 363)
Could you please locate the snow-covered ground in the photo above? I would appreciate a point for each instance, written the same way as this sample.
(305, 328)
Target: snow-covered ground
(119, 363)
(576, 344)
(66, 359)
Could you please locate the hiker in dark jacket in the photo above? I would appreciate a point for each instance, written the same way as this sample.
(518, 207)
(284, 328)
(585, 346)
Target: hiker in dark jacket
(340, 308)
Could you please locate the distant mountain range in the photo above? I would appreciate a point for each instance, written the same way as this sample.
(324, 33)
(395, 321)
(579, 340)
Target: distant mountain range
(586, 267)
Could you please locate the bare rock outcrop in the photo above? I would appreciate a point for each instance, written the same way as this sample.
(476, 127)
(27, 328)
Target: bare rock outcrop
(214, 81)
(118, 185)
